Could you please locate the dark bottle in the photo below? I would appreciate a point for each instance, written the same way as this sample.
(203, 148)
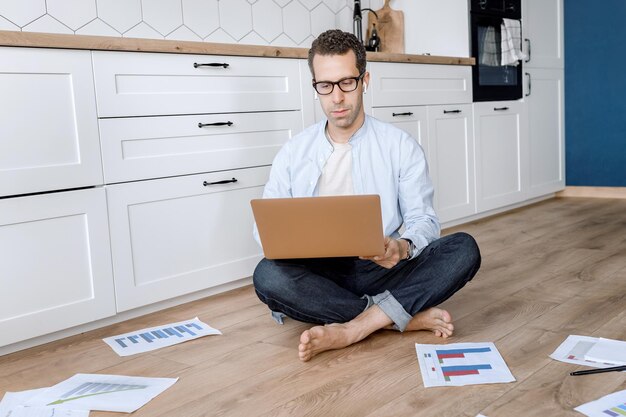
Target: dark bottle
(373, 44)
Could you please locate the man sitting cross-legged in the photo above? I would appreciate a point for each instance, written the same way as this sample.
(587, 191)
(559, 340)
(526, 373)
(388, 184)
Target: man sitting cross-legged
(353, 153)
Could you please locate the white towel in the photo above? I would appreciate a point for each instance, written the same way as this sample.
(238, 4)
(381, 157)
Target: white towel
(511, 31)
(488, 53)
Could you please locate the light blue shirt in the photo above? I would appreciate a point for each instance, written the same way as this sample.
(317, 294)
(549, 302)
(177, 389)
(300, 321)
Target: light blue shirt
(385, 160)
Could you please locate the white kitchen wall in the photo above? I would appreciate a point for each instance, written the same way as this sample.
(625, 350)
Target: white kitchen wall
(256, 22)
(430, 25)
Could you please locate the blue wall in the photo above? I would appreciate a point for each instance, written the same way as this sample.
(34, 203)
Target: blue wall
(595, 92)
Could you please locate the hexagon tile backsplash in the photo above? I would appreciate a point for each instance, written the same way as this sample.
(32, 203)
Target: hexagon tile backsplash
(252, 22)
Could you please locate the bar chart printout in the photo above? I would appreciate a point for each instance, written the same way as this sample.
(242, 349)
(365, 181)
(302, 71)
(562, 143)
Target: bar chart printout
(102, 392)
(157, 337)
(458, 364)
(612, 405)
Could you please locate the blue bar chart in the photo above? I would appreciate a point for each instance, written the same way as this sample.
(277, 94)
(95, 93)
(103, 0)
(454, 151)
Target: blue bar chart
(612, 405)
(157, 337)
(617, 411)
(460, 364)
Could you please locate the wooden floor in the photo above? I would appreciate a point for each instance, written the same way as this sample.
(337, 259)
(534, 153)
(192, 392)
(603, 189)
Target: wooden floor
(549, 270)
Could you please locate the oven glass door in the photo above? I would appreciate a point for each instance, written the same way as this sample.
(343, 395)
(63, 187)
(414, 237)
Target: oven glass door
(491, 79)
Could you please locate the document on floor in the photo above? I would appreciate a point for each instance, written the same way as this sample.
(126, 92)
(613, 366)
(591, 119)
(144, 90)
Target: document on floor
(574, 350)
(458, 364)
(102, 392)
(13, 400)
(45, 412)
(157, 337)
(12, 405)
(612, 405)
(608, 351)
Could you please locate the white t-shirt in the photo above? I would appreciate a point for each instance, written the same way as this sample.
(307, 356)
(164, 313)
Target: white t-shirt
(336, 178)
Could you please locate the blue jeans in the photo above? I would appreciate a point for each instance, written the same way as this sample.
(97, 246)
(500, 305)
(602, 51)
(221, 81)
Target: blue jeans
(336, 290)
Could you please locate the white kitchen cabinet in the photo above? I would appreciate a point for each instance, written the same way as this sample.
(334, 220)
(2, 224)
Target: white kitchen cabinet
(55, 263)
(501, 154)
(542, 30)
(135, 148)
(394, 84)
(185, 149)
(49, 131)
(311, 109)
(142, 84)
(412, 119)
(451, 159)
(432, 103)
(174, 236)
(546, 139)
(543, 95)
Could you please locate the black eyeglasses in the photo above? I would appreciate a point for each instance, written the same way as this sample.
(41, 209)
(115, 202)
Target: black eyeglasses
(346, 85)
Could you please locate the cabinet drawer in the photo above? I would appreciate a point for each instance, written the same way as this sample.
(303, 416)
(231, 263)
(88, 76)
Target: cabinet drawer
(48, 125)
(413, 120)
(152, 147)
(139, 84)
(174, 236)
(395, 84)
(56, 263)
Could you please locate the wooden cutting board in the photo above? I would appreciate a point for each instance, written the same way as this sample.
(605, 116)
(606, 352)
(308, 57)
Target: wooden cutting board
(390, 27)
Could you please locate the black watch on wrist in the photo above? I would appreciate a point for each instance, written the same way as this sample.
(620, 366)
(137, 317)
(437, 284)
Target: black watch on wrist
(410, 249)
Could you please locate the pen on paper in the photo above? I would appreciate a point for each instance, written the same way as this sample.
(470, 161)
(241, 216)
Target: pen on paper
(600, 370)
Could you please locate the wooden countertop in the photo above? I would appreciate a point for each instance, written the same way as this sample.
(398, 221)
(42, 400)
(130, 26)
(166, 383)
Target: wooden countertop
(106, 43)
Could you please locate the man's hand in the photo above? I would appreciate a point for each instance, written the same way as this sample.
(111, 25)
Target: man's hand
(395, 251)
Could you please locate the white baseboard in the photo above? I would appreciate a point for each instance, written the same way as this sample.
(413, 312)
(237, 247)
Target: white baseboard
(485, 214)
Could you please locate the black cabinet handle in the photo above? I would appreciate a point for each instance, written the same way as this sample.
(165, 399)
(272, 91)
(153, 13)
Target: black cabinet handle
(219, 182)
(451, 111)
(228, 123)
(211, 64)
(527, 49)
(408, 113)
(529, 85)
(500, 108)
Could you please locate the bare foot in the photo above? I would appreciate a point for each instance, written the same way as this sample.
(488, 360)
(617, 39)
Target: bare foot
(322, 338)
(339, 335)
(435, 319)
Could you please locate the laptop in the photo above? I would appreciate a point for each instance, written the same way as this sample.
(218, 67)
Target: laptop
(320, 227)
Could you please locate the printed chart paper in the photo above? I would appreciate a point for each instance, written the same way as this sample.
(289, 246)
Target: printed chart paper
(153, 338)
(612, 405)
(13, 400)
(575, 348)
(608, 351)
(46, 412)
(458, 364)
(102, 392)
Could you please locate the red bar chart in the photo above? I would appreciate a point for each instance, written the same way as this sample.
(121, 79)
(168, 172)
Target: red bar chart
(461, 364)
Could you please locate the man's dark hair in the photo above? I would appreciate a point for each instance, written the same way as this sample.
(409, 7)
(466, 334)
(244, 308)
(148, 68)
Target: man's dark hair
(338, 42)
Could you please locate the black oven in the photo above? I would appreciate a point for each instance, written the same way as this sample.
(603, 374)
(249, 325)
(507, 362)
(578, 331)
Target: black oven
(491, 80)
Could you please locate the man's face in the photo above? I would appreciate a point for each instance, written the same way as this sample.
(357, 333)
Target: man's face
(343, 110)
